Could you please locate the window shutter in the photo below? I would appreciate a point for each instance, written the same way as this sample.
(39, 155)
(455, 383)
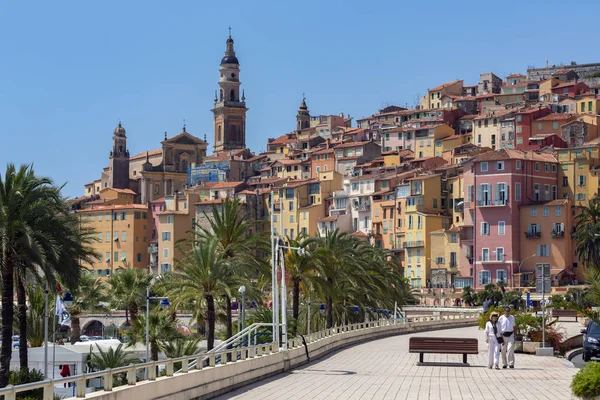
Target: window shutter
(539, 248)
(497, 192)
(562, 227)
(480, 277)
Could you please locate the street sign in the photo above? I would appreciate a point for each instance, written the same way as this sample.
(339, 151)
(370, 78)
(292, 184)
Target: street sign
(547, 286)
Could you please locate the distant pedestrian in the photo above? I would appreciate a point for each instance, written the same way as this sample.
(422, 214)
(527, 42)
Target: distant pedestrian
(486, 305)
(507, 326)
(493, 338)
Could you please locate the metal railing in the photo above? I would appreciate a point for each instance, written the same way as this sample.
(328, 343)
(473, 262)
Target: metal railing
(214, 359)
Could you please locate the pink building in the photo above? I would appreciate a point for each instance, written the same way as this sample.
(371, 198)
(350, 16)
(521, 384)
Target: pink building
(496, 185)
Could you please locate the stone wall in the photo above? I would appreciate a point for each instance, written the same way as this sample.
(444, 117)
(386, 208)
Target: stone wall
(538, 74)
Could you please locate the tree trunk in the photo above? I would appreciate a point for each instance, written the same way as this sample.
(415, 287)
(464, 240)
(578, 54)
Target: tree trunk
(133, 310)
(329, 312)
(7, 320)
(75, 329)
(154, 351)
(210, 318)
(229, 317)
(296, 298)
(126, 316)
(201, 326)
(22, 306)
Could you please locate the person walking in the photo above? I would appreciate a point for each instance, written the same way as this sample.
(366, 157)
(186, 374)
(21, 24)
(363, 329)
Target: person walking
(507, 326)
(493, 337)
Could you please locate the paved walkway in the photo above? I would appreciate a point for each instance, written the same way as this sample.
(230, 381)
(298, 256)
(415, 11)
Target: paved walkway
(383, 369)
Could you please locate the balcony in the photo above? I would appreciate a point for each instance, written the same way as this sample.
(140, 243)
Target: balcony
(558, 234)
(492, 203)
(533, 235)
(416, 243)
(470, 259)
(362, 207)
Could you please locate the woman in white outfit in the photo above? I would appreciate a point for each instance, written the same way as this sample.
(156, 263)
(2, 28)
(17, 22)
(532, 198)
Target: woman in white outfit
(493, 335)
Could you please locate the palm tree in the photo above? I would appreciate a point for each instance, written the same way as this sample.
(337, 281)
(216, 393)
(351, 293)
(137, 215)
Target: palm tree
(203, 271)
(128, 290)
(230, 227)
(181, 347)
(301, 269)
(161, 329)
(335, 255)
(112, 358)
(35, 230)
(587, 231)
(89, 296)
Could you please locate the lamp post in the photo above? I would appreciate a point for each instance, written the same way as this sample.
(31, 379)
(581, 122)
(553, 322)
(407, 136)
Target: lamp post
(521, 263)
(164, 302)
(242, 314)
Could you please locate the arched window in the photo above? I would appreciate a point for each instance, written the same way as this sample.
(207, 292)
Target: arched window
(219, 133)
(234, 133)
(232, 95)
(184, 165)
(221, 94)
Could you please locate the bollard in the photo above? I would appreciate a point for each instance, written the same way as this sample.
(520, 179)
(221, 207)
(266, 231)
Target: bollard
(169, 368)
(199, 363)
(185, 365)
(211, 360)
(152, 372)
(80, 387)
(108, 381)
(131, 378)
(12, 395)
(48, 390)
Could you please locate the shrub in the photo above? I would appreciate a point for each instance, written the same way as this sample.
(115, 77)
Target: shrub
(27, 376)
(553, 337)
(485, 317)
(586, 383)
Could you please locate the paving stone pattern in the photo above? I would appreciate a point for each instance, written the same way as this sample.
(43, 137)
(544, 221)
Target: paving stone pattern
(383, 369)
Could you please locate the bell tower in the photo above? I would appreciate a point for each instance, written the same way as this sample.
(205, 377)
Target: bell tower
(303, 116)
(229, 108)
(118, 177)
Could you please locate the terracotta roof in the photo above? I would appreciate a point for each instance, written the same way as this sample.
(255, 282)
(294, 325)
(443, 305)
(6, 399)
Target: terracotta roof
(420, 177)
(359, 234)
(349, 158)
(116, 207)
(514, 75)
(300, 182)
(542, 136)
(331, 218)
(382, 192)
(207, 202)
(283, 139)
(161, 200)
(529, 110)
(268, 181)
(126, 191)
(556, 117)
(350, 145)
(226, 185)
(445, 85)
(562, 71)
(504, 154)
(286, 161)
(558, 202)
(565, 84)
(495, 114)
(324, 151)
(470, 116)
(455, 137)
(151, 153)
(223, 155)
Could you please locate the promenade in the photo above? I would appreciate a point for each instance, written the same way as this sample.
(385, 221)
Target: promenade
(383, 369)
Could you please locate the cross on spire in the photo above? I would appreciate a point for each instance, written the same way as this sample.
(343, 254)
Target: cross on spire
(303, 96)
(229, 30)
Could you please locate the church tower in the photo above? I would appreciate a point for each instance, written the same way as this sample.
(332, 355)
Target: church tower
(229, 109)
(303, 117)
(118, 177)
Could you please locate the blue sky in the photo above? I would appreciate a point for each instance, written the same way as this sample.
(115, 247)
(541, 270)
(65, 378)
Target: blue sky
(71, 70)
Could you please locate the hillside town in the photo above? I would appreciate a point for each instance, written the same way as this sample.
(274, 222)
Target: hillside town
(478, 183)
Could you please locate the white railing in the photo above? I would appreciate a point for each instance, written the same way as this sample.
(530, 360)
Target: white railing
(216, 358)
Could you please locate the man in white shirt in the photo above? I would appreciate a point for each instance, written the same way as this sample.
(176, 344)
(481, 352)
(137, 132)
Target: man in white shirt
(507, 326)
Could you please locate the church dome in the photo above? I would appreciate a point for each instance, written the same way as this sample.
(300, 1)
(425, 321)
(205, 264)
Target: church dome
(119, 130)
(229, 60)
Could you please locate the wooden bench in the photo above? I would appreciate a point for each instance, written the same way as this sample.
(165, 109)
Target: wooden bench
(564, 313)
(439, 345)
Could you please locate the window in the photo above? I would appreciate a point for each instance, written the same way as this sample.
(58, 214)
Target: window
(557, 211)
(534, 211)
(500, 165)
(169, 219)
(485, 277)
(545, 211)
(554, 192)
(499, 253)
(123, 256)
(518, 191)
(479, 137)
(581, 196)
(99, 217)
(165, 267)
(434, 203)
(555, 125)
(123, 236)
(590, 106)
(484, 166)
(136, 215)
(453, 238)
(108, 236)
(565, 181)
(485, 123)
(501, 227)
(539, 126)
(495, 122)
(289, 193)
(537, 166)
(581, 180)
(547, 193)
(291, 218)
(536, 192)
(166, 254)
(291, 206)
(138, 257)
(485, 228)
(519, 118)
(543, 250)
(500, 275)
(166, 236)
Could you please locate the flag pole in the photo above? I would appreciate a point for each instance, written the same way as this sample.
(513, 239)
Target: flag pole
(54, 339)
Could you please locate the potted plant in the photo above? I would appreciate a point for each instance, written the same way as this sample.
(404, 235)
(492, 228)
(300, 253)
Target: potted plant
(586, 383)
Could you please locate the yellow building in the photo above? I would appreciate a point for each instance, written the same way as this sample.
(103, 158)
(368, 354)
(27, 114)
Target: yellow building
(546, 87)
(445, 250)
(588, 104)
(302, 203)
(450, 142)
(121, 235)
(425, 146)
(174, 224)
(434, 96)
(487, 128)
(420, 199)
(578, 173)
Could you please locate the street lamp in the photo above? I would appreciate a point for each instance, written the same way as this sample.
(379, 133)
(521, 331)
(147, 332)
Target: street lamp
(521, 263)
(68, 299)
(164, 302)
(242, 314)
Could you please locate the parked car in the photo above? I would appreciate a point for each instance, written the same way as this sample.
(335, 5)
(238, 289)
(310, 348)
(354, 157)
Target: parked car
(591, 341)
(84, 338)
